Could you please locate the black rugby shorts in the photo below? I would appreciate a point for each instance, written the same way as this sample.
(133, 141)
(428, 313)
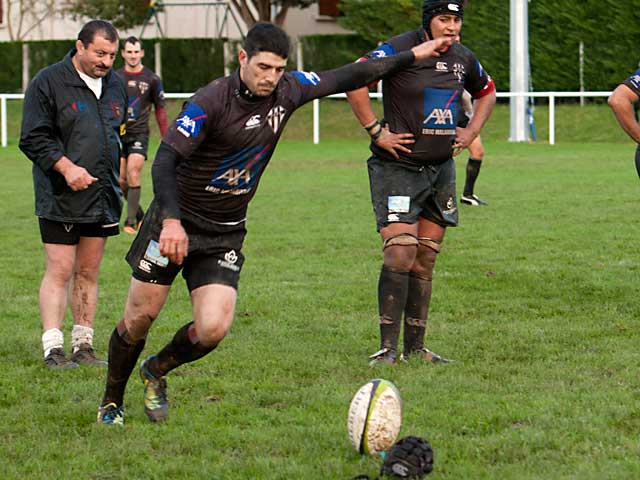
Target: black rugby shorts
(213, 257)
(135, 143)
(62, 233)
(402, 192)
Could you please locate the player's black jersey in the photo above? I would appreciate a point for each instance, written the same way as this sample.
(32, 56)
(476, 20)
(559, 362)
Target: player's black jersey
(226, 136)
(423, 98)
(144, 89)
(633, 82)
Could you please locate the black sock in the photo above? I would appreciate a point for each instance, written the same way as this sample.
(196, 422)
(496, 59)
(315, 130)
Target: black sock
(133, 202)
(392, 297)
(473, 169)
(416, 312)
(638, 160)
(182, 349)
(122, 358)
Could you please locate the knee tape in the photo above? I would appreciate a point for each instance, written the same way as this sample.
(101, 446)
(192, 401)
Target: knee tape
(404, 239)
(430, 243)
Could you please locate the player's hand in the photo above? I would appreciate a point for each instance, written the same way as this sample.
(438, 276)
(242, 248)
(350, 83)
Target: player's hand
(174, 242)
(431, 48)
(464, 138)
(78, 178)
(394, 141)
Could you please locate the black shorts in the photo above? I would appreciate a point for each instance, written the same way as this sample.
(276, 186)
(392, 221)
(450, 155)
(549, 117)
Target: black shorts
(213, 257)
(135, 143)
(69, 233)
(402, 192)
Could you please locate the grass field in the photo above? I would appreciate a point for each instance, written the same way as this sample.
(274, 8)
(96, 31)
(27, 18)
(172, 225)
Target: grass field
(535, 297)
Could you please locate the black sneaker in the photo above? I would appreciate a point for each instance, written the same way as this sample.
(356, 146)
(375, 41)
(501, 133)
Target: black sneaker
(111, 414)
(156, 405)
(426, 355)
(57, 359)
(386, 355)
(85, 355)
(472, 200)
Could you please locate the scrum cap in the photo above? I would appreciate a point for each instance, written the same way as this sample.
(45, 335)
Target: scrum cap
(431, 8)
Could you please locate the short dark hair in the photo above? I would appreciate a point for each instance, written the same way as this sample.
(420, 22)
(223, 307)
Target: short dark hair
(266, 37)
(133, 40)
(88, 32)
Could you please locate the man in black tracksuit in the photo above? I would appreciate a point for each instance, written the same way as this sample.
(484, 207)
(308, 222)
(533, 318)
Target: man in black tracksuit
(74, 115)
(205, 173)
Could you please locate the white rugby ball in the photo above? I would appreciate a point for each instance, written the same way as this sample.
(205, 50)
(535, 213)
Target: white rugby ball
(375, 417)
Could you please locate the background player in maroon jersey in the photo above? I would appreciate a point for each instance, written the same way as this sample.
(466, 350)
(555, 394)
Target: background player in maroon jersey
(411, 170)
(205, 173)
(144, 89)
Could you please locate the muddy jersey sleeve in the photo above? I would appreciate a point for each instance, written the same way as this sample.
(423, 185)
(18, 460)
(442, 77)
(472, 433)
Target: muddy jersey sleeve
(633, 82)
(311, 85)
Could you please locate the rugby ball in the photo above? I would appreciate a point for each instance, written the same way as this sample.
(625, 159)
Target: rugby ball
(375, 417)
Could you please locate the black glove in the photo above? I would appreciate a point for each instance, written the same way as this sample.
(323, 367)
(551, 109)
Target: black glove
(410, 457)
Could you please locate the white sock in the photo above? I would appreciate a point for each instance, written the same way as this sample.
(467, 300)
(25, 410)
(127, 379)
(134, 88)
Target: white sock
(52, 338)
(79, 335)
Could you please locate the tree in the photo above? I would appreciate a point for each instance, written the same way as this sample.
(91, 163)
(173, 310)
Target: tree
(253, 11)
(24, 16)
(377, 20)
(122, 13)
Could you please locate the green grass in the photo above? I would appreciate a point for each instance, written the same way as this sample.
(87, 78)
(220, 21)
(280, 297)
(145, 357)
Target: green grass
(535, 298)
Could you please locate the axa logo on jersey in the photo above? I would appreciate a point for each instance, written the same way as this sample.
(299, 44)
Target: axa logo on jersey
(441, 116)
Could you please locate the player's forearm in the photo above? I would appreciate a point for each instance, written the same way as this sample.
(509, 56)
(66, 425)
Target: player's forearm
(481, 112)
(165, 183)
(361, 106)
(623, 111)
(357, 75)
(161, 118)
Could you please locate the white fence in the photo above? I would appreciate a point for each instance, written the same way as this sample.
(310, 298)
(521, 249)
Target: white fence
(316, 107)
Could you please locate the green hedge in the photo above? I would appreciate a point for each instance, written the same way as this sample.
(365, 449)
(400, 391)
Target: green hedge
(188, 64)
(324, 52)
(11, 71)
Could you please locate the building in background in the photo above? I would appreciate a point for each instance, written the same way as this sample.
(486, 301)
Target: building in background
(43, 20)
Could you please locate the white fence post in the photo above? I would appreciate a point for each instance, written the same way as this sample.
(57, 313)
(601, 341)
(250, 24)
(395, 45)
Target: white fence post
(316, 121)
(3, 119)
(552, 120)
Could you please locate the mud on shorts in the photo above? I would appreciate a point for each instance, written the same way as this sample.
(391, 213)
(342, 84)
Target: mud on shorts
(135, 143)
(402, 192)
(213, 257)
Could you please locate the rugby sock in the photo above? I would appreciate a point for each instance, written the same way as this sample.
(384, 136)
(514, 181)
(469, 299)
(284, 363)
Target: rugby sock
(638, 160)
(392, 297)
(123, 355)
(133, 202)
(473, 169)
(81, 335)
(416, 312)
(184, 348)
(52, 338)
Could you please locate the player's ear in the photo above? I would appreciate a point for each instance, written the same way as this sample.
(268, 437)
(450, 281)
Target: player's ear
(79, 45)
(242, 57)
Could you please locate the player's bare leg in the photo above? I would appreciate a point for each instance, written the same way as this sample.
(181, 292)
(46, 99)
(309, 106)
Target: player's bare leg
(144, 302)
(213, 310)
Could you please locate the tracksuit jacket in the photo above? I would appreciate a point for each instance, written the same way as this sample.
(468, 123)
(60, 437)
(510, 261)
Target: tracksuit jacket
(62, 116)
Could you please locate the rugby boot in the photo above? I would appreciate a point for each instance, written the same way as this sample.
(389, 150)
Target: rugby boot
(383, 356)
(156, 405)
(58, 360)
(111, 414)
(472, 200)
(426, 355)
(85, 355)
